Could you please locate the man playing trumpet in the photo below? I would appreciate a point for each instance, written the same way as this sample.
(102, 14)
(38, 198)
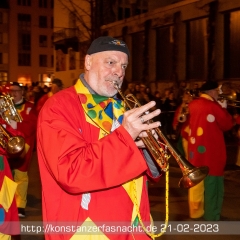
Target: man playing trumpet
(92, 170)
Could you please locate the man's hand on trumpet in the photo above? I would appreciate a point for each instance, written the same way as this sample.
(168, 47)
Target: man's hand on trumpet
(136, 122)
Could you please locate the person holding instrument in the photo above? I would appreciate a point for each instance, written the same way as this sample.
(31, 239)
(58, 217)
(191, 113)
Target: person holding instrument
(27, 126)
(92, 168)
(208, 120)
(10, 224)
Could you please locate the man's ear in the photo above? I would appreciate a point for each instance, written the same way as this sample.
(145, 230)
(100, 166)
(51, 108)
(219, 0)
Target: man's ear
(88, 62)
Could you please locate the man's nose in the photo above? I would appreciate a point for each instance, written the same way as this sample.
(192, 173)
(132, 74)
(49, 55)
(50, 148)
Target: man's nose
(119, 71)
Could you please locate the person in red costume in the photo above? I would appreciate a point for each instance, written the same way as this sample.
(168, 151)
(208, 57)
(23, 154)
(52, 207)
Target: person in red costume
(93, 168)
(9, 221)
(208, 120)
(57, 85)
(28, 128)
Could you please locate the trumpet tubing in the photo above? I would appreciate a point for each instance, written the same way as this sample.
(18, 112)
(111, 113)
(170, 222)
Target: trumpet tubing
(12, 144)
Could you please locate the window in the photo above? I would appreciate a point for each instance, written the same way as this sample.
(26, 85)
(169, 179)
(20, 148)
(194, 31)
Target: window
(43, 22)
(24, 2)
(42, 3)
(232, 45)
(52, 22)
(25, 42)
(52, 61)
(24, 21)
(164, 49)
(138, 43)
(42, 41)
(3, 76)
(24, 59)
(43, 60)
(197, 49)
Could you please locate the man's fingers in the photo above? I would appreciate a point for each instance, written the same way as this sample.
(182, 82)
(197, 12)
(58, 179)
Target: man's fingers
(144, 108)
(144, 118)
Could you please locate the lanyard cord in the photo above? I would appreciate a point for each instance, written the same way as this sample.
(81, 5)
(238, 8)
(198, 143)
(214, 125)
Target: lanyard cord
(163, 230)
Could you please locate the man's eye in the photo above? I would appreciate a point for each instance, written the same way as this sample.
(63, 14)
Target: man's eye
(124, 66)
(110, 63)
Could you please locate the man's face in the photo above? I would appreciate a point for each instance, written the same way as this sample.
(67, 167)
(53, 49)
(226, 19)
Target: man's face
(103, 68)
(16, 92)
(214, 93)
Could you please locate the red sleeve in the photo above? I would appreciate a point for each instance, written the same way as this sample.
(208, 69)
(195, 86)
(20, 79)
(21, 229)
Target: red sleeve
(69, 149)
(224, 119)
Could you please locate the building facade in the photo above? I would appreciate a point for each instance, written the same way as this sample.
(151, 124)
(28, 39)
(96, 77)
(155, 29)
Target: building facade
(26, 47)
(173, 41)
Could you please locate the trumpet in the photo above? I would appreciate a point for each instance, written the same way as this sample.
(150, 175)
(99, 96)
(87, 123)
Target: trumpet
(182, 117)
(231, 98)
(191, 175)
(159, 151)
(12, 144)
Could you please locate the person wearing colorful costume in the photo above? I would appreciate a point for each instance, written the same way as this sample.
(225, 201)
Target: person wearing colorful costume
(57, 85)
(9, 221)
(206, 147)
(92, 170)
(28, 128)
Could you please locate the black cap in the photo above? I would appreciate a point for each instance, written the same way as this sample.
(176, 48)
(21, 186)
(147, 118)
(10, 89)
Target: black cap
(209, 85)
(108, 43)
(16, 84)
(58, 82)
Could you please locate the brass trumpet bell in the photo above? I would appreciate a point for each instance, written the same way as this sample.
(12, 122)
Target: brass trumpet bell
(193, 177)
(232, 96)
(15, 145)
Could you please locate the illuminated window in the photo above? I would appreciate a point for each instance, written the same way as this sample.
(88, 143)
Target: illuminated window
(3, 76)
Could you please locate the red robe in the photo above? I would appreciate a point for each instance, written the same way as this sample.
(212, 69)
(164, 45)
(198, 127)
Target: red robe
(206, 146)
(73, 161)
